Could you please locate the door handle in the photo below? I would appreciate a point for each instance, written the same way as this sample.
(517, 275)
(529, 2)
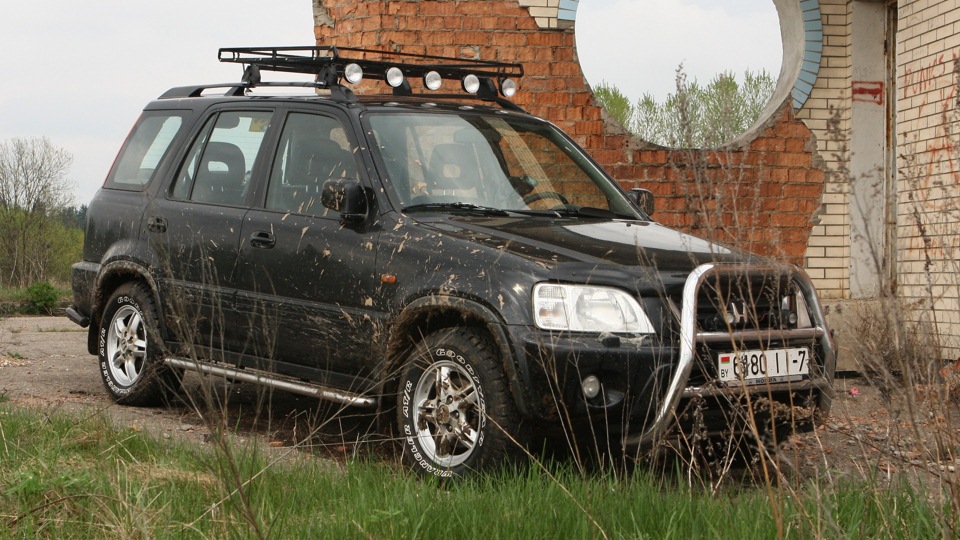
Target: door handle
(157, 224)
(263, 240)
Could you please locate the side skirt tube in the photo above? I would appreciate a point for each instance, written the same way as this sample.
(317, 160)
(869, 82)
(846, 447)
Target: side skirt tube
(274, 381)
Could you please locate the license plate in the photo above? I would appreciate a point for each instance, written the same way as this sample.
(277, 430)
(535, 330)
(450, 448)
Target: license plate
(762, 367)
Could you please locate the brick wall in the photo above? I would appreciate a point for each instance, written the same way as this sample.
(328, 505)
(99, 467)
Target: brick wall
(927, 192)
(827, 114)
(928, 150)
(760, 195)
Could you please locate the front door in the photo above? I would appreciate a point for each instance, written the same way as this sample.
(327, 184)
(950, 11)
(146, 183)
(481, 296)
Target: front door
(306, 281)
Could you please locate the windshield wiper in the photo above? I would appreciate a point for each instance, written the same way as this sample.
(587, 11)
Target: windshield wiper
(462, 206)
(577, 211)
(588, 211)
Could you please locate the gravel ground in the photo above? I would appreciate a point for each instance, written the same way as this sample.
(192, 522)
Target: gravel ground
(44, 364)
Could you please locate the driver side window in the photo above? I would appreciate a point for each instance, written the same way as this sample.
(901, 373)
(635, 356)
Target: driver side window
(313, 149)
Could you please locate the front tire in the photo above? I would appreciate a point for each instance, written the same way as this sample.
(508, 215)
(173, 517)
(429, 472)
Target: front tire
(455, 410)
(131, 363)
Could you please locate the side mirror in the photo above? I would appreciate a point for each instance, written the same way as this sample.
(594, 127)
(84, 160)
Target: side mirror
(345, 195)
(644, 199)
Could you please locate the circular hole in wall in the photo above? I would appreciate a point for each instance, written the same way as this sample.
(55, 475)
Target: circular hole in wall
(640, 56)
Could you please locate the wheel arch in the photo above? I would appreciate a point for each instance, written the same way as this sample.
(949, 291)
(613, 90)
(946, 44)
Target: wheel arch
(111, 277)
(429, 314)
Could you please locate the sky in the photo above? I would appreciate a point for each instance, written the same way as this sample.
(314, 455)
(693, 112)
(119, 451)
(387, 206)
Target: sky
(79, 73)
(637, 45)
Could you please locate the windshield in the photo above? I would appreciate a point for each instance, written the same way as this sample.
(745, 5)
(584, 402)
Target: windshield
(490, 161)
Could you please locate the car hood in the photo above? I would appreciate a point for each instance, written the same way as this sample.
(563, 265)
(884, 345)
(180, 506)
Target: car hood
(556, 241)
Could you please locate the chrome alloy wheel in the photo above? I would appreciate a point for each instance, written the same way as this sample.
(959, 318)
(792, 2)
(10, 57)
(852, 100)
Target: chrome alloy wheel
(448, 413)
(127, 345)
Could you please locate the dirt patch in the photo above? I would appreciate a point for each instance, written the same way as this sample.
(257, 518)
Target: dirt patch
(886, 436)
(44, 363)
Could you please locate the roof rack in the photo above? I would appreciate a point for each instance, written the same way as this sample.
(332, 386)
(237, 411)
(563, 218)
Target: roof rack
(331, 65)
(315, 60)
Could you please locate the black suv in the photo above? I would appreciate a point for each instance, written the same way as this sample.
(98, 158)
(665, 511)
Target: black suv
(449, 257)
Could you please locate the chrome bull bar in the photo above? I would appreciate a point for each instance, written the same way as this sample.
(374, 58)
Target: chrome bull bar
(690, 337)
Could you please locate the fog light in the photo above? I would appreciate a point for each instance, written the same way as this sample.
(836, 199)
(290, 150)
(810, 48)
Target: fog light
(508, 87)
(394, 77)
(788, 317)
(432, 80)
(591, 386)
(353, 73)
(471, 83)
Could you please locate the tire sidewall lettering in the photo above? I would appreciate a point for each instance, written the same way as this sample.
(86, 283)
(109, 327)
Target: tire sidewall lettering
(405, 400)
(113, 386)
(128, 300)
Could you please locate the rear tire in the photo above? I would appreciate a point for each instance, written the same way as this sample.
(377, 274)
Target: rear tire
(131, 362)
(455, 411)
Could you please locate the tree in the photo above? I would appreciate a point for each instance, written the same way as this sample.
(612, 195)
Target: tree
(616, 104)
(694, 116)
(72, 217)
(33, 190)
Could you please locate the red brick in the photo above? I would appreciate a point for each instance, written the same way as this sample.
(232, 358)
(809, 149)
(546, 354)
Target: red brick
(402, 8)
(544, 39)
(797, 176)
(800, 191)
(431, 22)
(443, 8)
(795, 145)
(471, 23)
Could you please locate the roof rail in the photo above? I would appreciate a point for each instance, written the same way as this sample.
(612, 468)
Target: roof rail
(238, 89)
(331, 65)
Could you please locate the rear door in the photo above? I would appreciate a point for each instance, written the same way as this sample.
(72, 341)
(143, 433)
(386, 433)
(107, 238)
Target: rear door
(305, 280)
(194, 227)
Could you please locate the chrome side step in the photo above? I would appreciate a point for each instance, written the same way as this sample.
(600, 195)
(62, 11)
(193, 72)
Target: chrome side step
(272, 380)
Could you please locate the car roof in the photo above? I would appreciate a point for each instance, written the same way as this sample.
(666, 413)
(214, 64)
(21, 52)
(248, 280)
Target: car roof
(422, 102)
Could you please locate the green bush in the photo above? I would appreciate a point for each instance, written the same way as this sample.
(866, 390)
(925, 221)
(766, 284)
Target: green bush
(42, 297)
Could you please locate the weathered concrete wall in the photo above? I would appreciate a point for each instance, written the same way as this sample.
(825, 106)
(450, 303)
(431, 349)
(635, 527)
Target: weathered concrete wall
(761, 194)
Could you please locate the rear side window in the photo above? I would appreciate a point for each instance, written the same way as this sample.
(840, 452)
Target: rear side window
(148, 143)
(219, 165)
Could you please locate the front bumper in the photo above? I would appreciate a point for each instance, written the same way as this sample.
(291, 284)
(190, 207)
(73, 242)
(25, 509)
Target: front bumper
(631, 372)
(647, 383)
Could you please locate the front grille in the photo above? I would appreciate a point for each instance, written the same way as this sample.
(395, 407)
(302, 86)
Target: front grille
(750, 302)
(751, 309)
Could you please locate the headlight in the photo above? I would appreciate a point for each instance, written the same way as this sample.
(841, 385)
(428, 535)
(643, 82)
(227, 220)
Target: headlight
(580, 308)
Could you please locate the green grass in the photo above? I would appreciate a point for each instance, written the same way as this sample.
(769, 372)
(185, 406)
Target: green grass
(12, 295)
(13, 301)
(66, 477)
